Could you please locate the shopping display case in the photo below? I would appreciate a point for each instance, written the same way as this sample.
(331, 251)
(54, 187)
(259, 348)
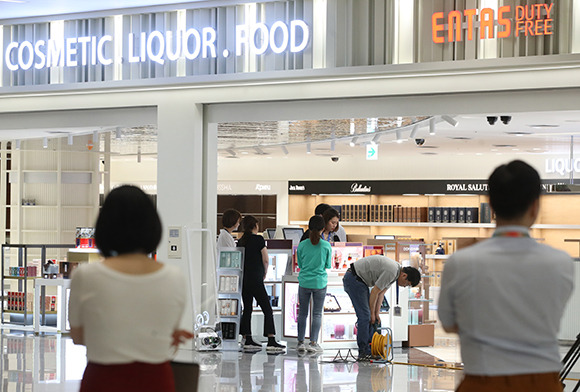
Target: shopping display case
(338, 318)
(279, 254)
(229, 284)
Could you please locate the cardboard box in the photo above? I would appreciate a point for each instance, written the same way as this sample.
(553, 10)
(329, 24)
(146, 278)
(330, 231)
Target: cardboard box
(422, 335)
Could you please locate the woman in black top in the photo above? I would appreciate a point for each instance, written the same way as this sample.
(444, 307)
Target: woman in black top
(255, 268)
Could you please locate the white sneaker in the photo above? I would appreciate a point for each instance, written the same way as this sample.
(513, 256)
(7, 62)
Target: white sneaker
(301, 347)
(314, 347)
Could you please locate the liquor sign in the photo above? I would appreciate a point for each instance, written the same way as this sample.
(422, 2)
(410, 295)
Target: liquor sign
(157, 46)
(527, 20)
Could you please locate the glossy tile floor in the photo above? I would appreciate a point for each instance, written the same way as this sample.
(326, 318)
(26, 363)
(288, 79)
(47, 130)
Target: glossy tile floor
(52, 363)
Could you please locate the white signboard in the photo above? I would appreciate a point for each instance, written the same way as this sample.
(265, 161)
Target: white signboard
(157, 46)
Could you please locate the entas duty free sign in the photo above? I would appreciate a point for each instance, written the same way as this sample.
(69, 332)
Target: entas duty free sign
(525, 20)
(157, 46)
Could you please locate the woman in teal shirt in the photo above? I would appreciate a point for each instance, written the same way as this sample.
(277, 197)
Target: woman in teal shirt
(313, 255)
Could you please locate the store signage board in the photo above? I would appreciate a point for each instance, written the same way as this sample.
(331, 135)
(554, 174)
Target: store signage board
(372, 152)
(402, 187)
(527, 20)
(158, 46)
(562, 166)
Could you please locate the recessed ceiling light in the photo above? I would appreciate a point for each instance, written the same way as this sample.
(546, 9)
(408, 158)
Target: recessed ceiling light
(518, 133)
(542, 126)
(478, 153)
(244, 152)
(494, 149)
(515, 149)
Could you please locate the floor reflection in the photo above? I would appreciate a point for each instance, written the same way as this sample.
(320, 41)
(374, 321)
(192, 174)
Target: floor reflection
(52, 363)
(40, 363)
(292, 372)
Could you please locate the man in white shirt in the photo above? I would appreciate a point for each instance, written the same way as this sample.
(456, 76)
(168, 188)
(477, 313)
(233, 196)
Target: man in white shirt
(505, 296)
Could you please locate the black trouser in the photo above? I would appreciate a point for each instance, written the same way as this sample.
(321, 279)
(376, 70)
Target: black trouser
(256, 289)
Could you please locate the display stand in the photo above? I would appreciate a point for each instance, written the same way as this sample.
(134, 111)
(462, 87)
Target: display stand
(25, 278)
(62, 295)
(338, 317)
(229, 283)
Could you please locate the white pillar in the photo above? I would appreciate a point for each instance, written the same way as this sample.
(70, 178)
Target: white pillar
(182, 178)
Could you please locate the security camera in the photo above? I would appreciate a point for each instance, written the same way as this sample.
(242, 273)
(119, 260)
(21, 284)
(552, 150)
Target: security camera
(506, 119)
(419, 142)
(334, 159)
(491, 119)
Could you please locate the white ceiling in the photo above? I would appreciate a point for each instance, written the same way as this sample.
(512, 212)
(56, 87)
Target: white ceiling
(10, 9)
(526, 133)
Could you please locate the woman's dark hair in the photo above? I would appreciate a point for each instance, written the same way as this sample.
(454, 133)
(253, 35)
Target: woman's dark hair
(319, 210)
(230, 218)
(329, 214)
(413, 275)
(248, 224)
(315, 225)
(128, 223)
(513, 188)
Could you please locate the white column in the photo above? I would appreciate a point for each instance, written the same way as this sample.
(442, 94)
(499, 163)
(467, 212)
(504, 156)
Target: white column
(181, 177)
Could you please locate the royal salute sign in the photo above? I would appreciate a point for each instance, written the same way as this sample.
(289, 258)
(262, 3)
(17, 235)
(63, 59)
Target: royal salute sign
(526, 20)
(157, 46)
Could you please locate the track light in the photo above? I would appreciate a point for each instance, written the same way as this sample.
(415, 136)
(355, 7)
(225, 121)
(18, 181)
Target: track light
(45, 142)
(399, 136)
(285, 150)
(453, 122)
(491, 120)
(332, 143)
(353, 141)
(432, 126)
(414, 131)
(70, 139)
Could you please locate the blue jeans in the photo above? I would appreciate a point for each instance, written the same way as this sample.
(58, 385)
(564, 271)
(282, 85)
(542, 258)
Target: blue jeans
(359, 296)
(318, 296)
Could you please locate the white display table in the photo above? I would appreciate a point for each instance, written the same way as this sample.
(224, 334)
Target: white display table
(61, 304)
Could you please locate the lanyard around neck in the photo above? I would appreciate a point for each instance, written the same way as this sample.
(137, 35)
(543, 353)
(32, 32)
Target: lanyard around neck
(512, 234)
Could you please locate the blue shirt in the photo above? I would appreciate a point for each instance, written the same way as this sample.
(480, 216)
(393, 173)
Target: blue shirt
(313, 260)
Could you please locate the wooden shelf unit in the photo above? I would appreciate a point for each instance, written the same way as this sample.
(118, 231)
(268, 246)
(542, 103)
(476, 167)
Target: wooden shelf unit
(556, 222)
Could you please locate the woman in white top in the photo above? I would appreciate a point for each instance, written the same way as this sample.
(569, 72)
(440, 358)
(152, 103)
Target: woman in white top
(127, 310)
(231, 221)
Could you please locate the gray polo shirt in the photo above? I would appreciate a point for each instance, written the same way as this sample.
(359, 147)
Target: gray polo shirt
(377, 271)
(507, 296)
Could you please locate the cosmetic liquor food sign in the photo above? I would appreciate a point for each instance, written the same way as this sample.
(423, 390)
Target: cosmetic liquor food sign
(520, 21)
(157, 46)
